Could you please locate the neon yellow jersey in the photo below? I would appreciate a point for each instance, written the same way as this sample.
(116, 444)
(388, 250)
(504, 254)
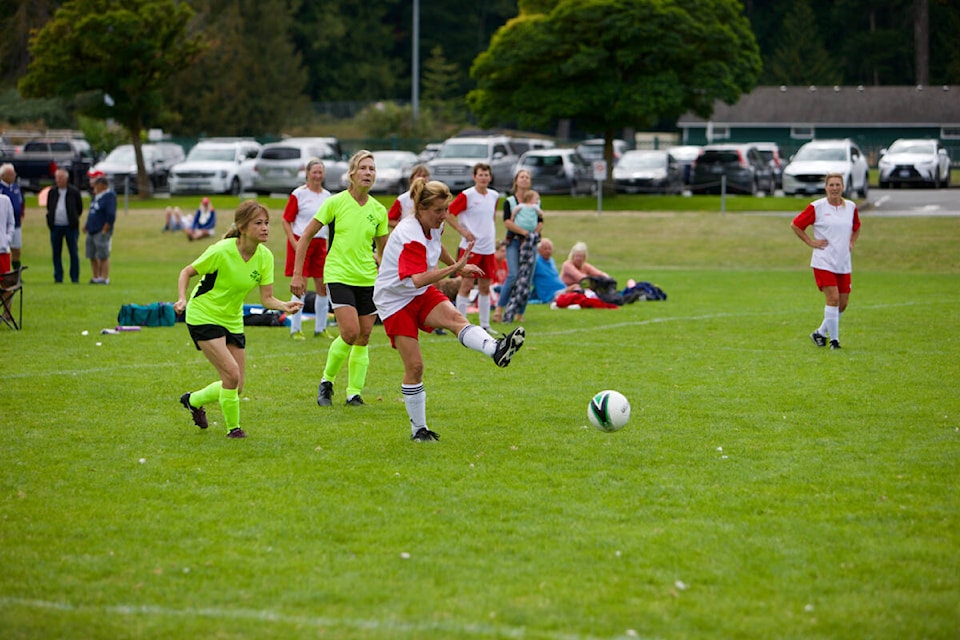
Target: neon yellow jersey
(350, 258)
(225, 281)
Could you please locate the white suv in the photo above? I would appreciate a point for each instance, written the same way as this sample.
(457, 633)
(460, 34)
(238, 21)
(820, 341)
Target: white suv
(453, 164)
(216, 165)
(914, 162)
(814, 160)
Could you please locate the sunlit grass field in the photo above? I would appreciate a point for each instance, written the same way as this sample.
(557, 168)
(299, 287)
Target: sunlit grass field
(764, 488)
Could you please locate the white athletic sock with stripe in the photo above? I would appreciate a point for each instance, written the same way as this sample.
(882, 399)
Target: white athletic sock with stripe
(296, 320)
(473, 337)
(462, 303)
(483, 306)
(831, 321)
(415, 399)
(320, 309)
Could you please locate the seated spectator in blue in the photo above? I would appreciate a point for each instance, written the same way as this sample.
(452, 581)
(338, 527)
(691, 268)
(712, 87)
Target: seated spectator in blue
(546, 279)
(204, 221)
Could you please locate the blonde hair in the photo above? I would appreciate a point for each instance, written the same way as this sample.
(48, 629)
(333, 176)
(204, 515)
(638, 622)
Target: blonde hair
(355, 161)
(579, 247)
(424, 194)
(827, 177)
(513, 189)
(312, 162)
(245, 214)
(419, 171)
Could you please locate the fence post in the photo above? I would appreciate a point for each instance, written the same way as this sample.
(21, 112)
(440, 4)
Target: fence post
(723, 194)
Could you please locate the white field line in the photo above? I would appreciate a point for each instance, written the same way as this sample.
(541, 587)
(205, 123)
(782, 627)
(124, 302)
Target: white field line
(388, 627)
(259, 357)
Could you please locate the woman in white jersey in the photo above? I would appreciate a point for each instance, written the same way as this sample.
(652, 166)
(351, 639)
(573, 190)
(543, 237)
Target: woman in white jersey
(836, 227)
(403, 205)
(408, 302)
(302, 204)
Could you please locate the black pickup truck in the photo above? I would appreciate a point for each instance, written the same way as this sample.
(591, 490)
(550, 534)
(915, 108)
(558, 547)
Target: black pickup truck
(38, 160)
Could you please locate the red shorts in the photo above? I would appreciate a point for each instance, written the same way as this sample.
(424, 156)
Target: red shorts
(830, 279)
(4, 262)
(314, 261)
(412, 317)
(486, 261)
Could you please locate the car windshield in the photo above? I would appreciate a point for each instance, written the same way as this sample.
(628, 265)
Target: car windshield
(543, 161)
(642, 161)
(281, 153)
(719, 156)
(911, 146)
(125, 155)
(821, 154)
(211, 154)
(463, 150)
(390, 161)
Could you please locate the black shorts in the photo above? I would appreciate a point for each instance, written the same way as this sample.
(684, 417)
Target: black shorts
(202, 332)
(346, 295)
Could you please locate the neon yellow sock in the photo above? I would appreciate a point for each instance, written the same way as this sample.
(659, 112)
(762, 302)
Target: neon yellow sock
(336, 356)
(208, 394)
(230, 405)
(359, 363)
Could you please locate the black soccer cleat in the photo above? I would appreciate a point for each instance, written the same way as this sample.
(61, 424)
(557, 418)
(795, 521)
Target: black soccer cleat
(834, 344)
(508, 345)
(818, 339)
(237, 432)
(199, 414)
(355, 401)
(425, 435)
(325, 394)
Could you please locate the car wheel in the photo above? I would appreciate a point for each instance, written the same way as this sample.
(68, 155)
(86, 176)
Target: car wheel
(573, 187)
(884, 185)
(848, 187)
(865, 189)
(235, 186)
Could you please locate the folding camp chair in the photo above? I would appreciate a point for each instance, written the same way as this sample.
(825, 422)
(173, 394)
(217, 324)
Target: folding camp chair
(11, 287)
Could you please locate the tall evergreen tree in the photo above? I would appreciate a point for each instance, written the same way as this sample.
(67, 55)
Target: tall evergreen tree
(802, 58)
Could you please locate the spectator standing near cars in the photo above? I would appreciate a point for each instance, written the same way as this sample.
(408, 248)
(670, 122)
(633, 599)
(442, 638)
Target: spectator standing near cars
(522, 183)
(302, 204)
(474, 214)
(10, 188)
(99, 229)
(836, 227)
(402, 207)
(356, 222)
(64, 208)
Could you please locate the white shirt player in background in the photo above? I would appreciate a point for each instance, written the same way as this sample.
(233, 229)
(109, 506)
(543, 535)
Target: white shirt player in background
(303, 204)
(407, 302)
(402, 207)
(475, 211)
(836, 227)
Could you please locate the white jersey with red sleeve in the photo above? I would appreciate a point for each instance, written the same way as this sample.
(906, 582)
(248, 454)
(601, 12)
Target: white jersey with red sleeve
(836, 225)
(477, 213)
(401, 208)
(409, 251)
(302, 205)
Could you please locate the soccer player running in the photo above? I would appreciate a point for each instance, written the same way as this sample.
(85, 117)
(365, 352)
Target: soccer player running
(229, 268)
(476, 210)
(355, 221)
(408, 301)
(836, 227)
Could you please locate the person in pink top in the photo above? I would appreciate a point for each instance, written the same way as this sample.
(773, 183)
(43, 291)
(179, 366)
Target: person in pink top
(576, 268)
(472, 214)
(836, 227)
(408, 302)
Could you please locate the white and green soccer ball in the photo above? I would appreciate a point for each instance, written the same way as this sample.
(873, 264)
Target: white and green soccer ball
(609, 410)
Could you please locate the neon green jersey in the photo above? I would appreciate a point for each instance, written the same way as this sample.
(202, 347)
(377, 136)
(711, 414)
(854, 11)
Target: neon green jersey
(225, 281)
(350, 258)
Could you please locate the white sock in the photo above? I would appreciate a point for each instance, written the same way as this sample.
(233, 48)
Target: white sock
(296, 320)
(415, 399)
(320, 309)
(462, 303)
(483, 305)
(473, 337)
(831, 318)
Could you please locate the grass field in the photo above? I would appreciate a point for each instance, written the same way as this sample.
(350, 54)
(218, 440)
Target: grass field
(764, 488)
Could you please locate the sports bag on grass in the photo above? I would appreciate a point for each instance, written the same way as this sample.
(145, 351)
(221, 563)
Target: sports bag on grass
(156, 314)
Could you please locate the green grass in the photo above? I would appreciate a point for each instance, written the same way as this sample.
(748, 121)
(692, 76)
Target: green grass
(762, 489)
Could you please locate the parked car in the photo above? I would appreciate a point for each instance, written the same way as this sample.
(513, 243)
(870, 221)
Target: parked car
(281, 167)
(592, 150)
(217, 165)
(120, 165)
(557, 171)
(454, 162)
(744, 168)
(646, 171)
(393, 171)
(37, 161)
(771, 153)
(813, 161)
(685, 156)
(914, 161)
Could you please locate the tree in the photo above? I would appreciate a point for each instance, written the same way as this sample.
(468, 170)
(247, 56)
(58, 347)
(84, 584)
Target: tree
(610, 64)
(802, 58)
(120, 51)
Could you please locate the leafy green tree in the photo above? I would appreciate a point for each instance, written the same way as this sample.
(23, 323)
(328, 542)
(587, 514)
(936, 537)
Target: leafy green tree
(441, 80)
(802, 58)
(249, 81)
(610, 64)
(123, 50)
(17, 19)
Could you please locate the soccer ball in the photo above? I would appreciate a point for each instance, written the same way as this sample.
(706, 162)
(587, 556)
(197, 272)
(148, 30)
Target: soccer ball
(609, 411)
